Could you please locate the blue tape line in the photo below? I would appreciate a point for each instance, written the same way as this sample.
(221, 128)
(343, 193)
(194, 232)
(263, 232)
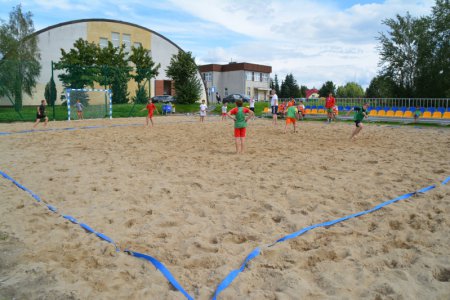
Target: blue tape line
(70, 218)
(91, 127)
(52, 208)
(233, 274)
(426, 189)
(5, 133)
(87, 228)
(6, 176)
(158, 265)
(446, 180)
(227, 281)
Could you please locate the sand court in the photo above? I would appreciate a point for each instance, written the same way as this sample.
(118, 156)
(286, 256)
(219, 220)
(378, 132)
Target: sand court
(179, 193)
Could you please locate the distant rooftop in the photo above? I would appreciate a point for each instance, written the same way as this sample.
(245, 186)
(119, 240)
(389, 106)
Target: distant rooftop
(235, 66)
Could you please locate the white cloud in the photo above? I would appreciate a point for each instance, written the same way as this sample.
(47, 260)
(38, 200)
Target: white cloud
(315, 40)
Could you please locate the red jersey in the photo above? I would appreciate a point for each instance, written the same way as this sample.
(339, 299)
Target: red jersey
(150, 107)
(330, 102)
(235, 110)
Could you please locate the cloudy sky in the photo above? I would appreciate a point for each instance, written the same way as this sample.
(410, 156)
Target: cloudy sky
(315, 40)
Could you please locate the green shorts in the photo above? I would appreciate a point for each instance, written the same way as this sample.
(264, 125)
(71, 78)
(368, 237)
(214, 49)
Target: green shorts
(330, 110)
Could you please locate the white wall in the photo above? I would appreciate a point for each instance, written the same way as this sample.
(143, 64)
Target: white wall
(50, 44)
(162, 52)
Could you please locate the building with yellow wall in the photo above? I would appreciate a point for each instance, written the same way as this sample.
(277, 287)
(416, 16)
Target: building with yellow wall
(62, 36)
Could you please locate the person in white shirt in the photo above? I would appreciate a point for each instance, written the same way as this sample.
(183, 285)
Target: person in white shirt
(224, 111)
(203, 108)
(252, 104)
(274, 105)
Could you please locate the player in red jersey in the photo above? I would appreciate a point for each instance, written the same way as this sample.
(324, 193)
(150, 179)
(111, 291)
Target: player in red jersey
(150, 108)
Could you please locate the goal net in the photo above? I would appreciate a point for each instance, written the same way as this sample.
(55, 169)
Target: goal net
(93, 104)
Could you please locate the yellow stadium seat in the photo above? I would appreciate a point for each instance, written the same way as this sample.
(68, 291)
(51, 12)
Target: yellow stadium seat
(437, 115)
(408, 114)
(390, 113)
(308, 111)
(321, 111)
(373, 113)
(446, 115)
(381, 113)
(267, 111)
(398, 114)
(427, 114)
(314, 111)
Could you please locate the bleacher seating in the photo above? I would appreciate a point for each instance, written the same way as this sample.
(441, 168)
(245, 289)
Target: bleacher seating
(381, 113)
(437, 115)
(398, 114)
(390, 113)
(408, 114)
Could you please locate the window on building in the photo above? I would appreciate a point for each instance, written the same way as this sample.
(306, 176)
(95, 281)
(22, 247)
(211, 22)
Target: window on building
(253, 76)
(137, 45)
(126, 40)
(265, 77)
(226, 92)
(208, 76)
(260, 77)
(248, 91)
(103, 42)
(248, 76)
(115, 39)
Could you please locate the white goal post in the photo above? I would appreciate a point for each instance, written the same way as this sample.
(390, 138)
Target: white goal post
(108, 98)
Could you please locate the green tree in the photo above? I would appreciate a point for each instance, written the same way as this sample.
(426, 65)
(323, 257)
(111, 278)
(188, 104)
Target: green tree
(327, 88)
(303, 90)
(145, 69)
(274, 85)
(381, 87)
(114, 71)
(79, 65)
(350, 90)
(19, 57)
(289, 87)
(183, 71)
(441, 28)
(400, 52)
(50, 92)
(433, 63)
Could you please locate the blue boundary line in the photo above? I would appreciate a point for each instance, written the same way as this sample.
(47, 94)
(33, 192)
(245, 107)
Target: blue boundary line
(159, 266)
(88, 127)
(228, 280)
(233, 274)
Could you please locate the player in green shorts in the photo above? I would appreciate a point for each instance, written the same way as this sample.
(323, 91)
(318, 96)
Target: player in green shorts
(291, 117)
(361, 113)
